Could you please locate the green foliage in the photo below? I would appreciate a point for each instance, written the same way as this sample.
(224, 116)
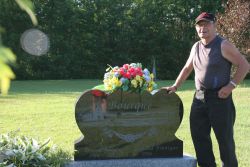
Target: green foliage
(87, 35)
(27, 6)
(6, 54)
(22, 151)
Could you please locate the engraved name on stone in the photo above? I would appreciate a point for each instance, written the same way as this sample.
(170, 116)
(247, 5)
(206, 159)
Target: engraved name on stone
(128, 107)
(166, 148)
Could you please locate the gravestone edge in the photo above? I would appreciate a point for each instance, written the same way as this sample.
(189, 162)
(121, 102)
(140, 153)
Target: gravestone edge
(185, 161)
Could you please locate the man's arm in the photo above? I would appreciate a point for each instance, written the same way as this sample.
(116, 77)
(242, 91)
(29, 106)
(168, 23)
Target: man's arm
(232, 54)
(185, 72)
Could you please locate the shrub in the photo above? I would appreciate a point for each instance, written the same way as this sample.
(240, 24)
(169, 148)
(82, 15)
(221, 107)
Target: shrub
(21, 151)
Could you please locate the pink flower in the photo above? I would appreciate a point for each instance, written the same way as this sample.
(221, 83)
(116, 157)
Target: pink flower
(126, 66)
(139, 71)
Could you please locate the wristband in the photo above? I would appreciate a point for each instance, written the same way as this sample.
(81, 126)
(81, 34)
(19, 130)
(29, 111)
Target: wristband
(233, 83)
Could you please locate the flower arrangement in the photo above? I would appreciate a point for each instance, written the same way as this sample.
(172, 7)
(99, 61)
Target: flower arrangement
(129, 77)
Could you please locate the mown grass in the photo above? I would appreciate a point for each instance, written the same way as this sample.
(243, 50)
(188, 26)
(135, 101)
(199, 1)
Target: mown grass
(45, 109)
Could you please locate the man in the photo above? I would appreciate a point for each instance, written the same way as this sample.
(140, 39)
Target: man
(212, 107)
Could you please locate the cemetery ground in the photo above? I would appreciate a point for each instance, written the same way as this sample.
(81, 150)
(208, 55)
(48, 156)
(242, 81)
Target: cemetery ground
(45, 109)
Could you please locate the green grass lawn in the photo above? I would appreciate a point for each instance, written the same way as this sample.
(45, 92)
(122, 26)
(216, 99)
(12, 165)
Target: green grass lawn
(45, 109)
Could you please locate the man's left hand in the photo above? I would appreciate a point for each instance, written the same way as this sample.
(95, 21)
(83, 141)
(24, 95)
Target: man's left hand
(225, 91)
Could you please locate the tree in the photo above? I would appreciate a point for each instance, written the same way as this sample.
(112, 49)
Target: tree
(234, 24)
(6, 55)
(111, 32)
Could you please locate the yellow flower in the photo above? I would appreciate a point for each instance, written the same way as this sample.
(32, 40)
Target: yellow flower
(107, 86)
(141, 82)
(150, 88)
(152, 76)
(116, 82)
(138, 78)
(134, 83)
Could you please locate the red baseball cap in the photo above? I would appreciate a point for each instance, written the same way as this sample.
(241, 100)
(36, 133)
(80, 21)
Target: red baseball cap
(205, 16)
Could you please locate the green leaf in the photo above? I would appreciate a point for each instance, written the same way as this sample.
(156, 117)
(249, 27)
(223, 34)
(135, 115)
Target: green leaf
(99, 87)
(27, 6)
(125, 88)
(5, 76)
(2, 30)
(6, 55)
(109, 67)
(45, 143)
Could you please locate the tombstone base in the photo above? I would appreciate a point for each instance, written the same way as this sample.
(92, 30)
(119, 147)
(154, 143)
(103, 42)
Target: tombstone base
(170, 149)
(185, 161)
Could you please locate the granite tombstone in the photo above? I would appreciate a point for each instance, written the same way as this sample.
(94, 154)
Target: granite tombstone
(128, 125)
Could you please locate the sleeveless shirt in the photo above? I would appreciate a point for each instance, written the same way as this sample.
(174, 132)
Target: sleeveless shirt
(212, 70)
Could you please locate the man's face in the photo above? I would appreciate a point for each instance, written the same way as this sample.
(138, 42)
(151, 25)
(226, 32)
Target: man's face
(205, 29)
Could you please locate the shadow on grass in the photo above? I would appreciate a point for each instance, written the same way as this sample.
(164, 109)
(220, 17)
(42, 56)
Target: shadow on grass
(52, 86)
(78, 86)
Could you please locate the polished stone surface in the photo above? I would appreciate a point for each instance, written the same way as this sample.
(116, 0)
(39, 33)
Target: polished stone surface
(185, 161)
(128, 125)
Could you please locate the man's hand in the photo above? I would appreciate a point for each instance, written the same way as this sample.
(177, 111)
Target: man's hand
(225, 91)
(170, 89)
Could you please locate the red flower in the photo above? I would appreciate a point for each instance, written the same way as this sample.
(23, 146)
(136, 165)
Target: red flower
(127, 75)
(98, 93)
(132, 69)
(122, 71)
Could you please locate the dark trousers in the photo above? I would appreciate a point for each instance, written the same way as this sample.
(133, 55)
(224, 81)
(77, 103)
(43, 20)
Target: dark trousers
(209, 111)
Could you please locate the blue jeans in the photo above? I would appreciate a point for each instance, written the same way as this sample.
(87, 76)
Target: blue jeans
(209, 111)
